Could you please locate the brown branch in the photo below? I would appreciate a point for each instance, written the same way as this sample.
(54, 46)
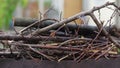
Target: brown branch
(36, 51)
(89, 50)
(103, 30)
(72, 18)
(20, 32)
(97, 51)
(76, 39)
(64, 57)
(37, 23)
(37, 38)
(85, 30)
(48, 47)
(104, 52)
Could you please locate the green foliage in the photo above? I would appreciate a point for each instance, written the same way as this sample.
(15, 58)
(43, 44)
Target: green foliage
(6, 11)
(47, 3)
(24, 2)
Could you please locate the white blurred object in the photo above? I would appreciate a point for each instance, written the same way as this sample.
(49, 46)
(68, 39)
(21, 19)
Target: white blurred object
(105, 13)
(58, 5)
(19, 10)
(41, 6)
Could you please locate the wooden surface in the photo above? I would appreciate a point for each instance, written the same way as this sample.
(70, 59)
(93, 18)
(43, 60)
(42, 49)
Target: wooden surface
(72, 7)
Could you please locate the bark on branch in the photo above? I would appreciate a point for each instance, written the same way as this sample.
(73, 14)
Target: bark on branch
(84, 30)
(38, 38)
(104, 31)
(72, 18)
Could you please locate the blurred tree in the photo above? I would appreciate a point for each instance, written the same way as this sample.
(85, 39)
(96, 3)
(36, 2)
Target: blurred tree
(6, 11)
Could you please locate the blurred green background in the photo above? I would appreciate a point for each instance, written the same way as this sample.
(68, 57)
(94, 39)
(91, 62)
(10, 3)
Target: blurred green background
(7, 8)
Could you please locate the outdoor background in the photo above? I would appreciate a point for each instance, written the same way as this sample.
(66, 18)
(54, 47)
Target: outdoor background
(32, 9)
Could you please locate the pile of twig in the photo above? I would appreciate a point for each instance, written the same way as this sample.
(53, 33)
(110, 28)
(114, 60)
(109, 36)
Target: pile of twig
(57, 40)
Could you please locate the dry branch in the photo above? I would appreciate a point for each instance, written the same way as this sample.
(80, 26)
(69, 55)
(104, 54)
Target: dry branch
(37, 38)
(84, 30)
(44, 43)
(72, 18)
(104, 31)
(47, 47)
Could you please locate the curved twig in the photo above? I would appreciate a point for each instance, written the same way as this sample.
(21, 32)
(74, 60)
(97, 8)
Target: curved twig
(37, 22)
(72, 18)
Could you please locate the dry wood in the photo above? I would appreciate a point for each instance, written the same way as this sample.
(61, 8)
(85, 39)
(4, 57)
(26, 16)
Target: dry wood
(40, 44)
(104, 31)
(33, 38)
(68, 20)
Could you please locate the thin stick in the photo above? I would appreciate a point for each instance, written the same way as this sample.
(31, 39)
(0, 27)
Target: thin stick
(104, 52)
(79, 39)
(64, 57)
(36, 51)
(72, 18)
(37, 38)
(103, 30)
(35, 24)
